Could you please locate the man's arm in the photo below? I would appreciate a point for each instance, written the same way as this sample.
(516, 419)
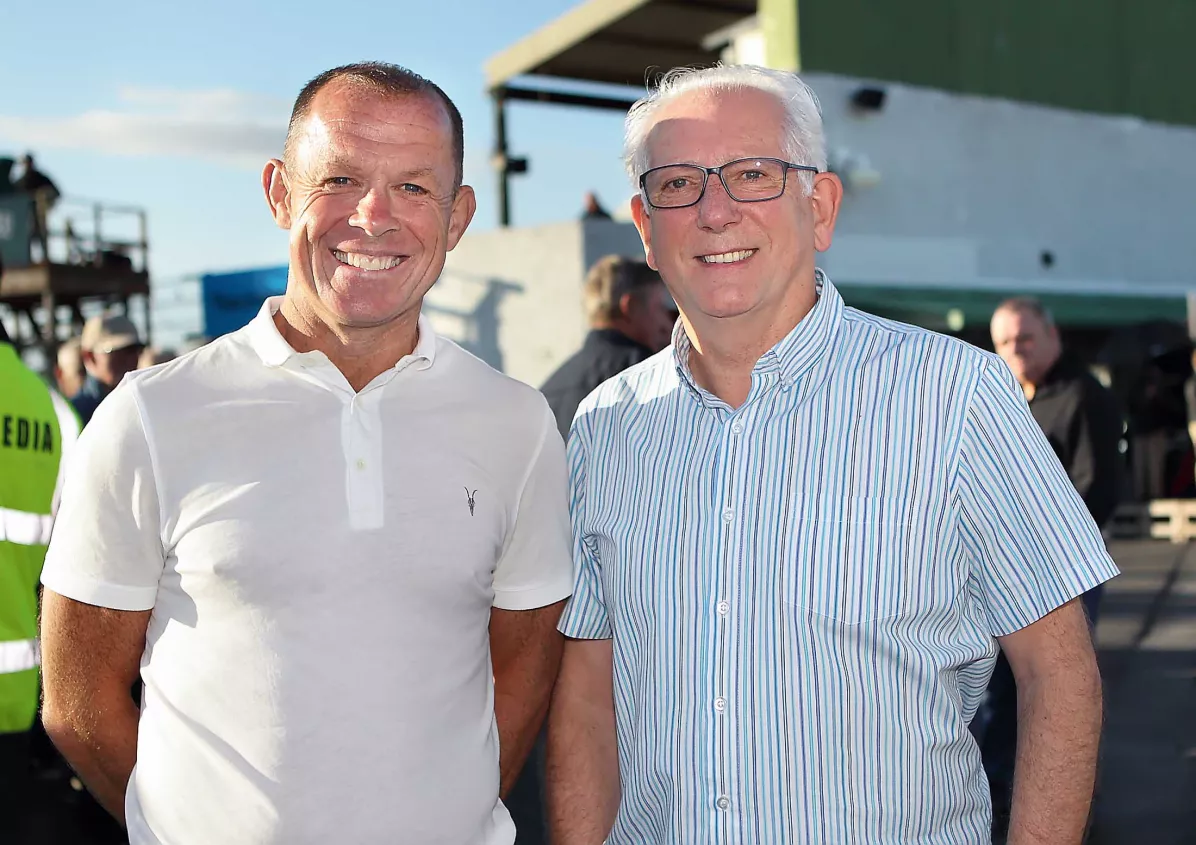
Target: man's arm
(525, 648)
(90, 659)
(583, 758)
(1059, 723)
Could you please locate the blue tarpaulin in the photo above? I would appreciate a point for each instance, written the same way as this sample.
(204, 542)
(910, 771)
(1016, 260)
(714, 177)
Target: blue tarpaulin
(230, 300)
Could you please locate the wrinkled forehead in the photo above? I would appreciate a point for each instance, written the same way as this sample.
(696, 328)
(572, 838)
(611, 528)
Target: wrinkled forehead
(713, 127)
(347, 118)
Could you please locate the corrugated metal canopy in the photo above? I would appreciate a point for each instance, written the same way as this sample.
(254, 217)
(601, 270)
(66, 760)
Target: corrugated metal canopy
(614, 41)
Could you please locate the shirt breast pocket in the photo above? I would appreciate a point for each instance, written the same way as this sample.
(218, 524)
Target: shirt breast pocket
(854, 560)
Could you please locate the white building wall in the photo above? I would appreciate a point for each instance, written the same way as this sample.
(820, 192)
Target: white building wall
(975, 190)
(513, 296)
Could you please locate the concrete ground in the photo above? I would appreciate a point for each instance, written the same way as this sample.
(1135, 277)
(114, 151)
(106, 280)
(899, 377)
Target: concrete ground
(1147, 643)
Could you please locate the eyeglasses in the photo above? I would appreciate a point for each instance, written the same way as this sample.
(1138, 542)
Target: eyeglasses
(745, 180)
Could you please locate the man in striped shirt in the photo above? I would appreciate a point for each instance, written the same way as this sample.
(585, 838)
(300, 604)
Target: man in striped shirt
(802, 532)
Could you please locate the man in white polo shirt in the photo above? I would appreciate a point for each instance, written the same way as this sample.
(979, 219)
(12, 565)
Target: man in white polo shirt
(335, 544)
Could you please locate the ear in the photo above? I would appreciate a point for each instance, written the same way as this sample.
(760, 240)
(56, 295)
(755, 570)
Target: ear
(464, 206)
(278, 192)
(626, 305)
(643, 224)
(825, 200)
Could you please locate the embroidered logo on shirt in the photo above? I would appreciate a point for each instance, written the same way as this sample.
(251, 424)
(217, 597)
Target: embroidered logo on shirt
(469, 498)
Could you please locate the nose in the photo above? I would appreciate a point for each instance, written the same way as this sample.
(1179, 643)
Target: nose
(374, 214)
(716, 209)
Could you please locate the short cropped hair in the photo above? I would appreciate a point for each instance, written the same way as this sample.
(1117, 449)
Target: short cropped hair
(1028, 305)
(386, 80)
(609, 280)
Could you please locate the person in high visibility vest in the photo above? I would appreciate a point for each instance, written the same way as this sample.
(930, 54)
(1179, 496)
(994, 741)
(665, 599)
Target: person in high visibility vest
(37, 427)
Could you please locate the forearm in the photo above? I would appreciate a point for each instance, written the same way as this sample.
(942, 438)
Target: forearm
(1059, 723)
(582, 783)
(101, 753)
(519, 718)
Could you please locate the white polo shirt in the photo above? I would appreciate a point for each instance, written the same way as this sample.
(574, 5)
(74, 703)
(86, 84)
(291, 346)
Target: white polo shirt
(321, 565)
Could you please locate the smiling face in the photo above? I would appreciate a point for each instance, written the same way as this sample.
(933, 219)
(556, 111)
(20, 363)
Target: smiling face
(728, 259)
(368, 195)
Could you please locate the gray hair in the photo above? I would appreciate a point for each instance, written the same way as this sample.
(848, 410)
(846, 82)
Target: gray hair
(1027, 305)
(803, 141)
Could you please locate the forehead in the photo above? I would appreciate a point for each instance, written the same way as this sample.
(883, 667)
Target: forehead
(712, 127)
(1010, 322)
(346, 118)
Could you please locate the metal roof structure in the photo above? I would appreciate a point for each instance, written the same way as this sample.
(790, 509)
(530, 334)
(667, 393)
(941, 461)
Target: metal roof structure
(615, 41)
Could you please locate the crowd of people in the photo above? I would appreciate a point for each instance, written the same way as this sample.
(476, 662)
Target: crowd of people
(740, 573)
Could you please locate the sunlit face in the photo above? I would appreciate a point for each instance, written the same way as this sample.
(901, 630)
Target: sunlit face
(1026, 342)
(722, 258)
(368, 196)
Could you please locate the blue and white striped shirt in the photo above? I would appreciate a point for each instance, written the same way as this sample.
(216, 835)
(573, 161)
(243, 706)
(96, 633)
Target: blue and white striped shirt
(804, 592)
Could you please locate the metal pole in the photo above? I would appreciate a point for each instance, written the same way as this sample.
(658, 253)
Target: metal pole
(500, 159)
(97, 213)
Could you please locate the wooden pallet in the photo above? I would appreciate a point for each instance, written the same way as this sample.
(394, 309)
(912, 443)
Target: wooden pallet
(1161, 519)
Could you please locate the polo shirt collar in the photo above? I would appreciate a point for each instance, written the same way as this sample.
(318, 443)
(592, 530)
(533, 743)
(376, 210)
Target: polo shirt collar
(267, 341)
(795, 354)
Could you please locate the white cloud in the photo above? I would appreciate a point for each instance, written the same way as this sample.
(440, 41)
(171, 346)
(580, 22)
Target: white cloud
(231, 127)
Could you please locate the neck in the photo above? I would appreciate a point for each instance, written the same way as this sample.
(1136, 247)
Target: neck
(726, 349)
(360, 353)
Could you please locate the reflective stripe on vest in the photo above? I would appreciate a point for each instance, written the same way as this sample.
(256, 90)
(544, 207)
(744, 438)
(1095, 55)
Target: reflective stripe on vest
(24, 528)
(19, 655)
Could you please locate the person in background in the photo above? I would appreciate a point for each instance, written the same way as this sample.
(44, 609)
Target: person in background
(801, 533)
(44, 193)
(1083, 423)
(631, 316)
(38, 430)
(1079, 416)
(592, 209)
(111, 348)
(69, 372)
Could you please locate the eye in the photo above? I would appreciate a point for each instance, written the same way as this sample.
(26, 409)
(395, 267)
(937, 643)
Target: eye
(338, 182)
(413, 189)
(677, 183)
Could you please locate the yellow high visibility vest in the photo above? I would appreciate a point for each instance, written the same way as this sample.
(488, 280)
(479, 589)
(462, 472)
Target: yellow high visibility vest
(35, 425)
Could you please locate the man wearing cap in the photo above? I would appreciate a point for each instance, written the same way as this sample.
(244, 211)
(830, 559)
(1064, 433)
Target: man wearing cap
(111, 348)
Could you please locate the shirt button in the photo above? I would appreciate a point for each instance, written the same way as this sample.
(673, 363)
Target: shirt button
(720, 704)
(737, 428)
(360, 463)
(728, 515)
(724, 607)
(723, 802)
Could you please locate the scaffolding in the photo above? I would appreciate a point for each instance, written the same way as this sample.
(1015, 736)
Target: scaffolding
(95, 256)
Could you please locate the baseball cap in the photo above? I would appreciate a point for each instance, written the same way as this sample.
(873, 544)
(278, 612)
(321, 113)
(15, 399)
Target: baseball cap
(108, 333)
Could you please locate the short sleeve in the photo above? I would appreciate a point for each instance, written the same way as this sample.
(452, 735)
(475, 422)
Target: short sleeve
(106, 548)
(534, 570)
(585, 617)
(1032, 542)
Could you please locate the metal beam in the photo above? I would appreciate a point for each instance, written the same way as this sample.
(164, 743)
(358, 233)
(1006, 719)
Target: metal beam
(564, 98)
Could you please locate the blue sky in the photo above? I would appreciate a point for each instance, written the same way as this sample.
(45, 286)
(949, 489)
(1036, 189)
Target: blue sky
(175, 107)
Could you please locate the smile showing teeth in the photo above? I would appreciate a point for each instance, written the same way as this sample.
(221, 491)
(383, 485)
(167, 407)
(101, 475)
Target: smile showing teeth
(728, 257)
(367, 262)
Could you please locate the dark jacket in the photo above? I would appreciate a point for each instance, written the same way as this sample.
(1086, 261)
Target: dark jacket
(605, 354)
(1083, 423)
(89, 397)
